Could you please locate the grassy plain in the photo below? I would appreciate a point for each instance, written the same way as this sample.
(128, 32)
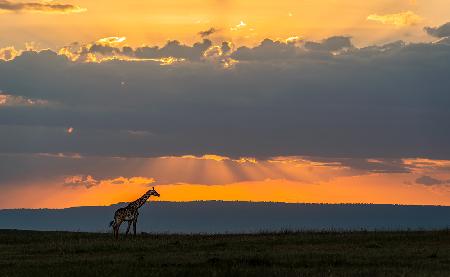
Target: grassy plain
(30, 253)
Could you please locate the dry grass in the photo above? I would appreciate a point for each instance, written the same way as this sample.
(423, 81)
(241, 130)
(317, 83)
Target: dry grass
(27, 253)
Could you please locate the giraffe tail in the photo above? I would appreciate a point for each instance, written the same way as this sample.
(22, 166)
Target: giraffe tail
(111, 223)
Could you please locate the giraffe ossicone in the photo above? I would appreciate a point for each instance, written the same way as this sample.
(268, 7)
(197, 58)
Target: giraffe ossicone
(130, 213)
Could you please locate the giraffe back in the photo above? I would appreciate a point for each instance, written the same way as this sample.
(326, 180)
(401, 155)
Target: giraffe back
(125, 214)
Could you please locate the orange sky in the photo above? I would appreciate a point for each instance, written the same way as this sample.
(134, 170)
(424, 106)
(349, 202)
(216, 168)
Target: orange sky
(304, 181)
(156, 21)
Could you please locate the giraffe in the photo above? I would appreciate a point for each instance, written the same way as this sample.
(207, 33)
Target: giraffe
(130, 213)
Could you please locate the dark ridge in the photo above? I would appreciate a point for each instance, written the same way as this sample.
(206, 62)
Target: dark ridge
(235, 217)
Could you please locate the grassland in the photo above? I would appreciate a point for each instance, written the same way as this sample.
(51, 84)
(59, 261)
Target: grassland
(27, 253)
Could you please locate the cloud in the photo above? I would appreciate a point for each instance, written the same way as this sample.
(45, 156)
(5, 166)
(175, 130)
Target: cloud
(89, 181)
(293, 39)
(131, 181)
(407, 18)
(212, 157)
(208, 169)
(110, 41)
(8, 53)
(430, 181)
(382, 165)
(81, 180)
(331, 44)
(107, 49)
(239, 26)
(427, 164)
(208, 32)
(77, 170)
(174, 49)
(327, 98)
(267, 50)
(12, 100)
(42, 7)
(439, 32)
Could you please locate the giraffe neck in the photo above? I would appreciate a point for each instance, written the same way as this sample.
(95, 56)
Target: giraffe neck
(141, 201)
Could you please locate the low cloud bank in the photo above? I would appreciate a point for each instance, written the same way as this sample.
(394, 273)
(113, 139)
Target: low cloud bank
(326, 98)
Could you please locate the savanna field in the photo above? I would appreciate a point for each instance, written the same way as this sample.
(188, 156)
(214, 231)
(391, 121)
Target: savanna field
(30, 253)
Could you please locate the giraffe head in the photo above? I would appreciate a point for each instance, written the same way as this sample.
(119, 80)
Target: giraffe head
(153, 192)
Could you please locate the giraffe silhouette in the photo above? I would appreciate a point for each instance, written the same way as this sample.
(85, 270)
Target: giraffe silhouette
(130, 213)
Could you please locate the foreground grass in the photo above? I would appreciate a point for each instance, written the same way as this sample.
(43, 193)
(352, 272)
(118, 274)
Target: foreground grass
(27, 253)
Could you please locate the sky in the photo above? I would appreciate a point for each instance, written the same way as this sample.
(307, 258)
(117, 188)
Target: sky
(319, 101)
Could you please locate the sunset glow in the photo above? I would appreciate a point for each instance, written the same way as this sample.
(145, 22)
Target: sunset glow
(212, 177)
(290, 101)
(154, 22)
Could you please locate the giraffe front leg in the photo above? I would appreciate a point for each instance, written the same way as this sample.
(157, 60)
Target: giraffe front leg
(128, 228)
(116, 233)
(134, 224)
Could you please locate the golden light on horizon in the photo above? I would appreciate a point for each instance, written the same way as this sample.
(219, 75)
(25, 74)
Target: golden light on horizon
(343, 190)
(213, 177)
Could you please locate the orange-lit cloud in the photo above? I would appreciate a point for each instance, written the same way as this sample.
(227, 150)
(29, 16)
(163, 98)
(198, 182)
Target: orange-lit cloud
(88, 181)
(8, 53)
(12, 100)
(216, 158)
(108, 49)
(110, 41)
(407, 18)
(293, 39)
(39, 7)
(239, 26)
(80, 180)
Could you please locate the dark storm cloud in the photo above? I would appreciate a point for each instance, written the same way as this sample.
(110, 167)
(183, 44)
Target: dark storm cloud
(38, 7)
(276, 50)
(172, 48)
(430, 181)
(267, 50)
(439, 32)
(280, 99)
(330, 44)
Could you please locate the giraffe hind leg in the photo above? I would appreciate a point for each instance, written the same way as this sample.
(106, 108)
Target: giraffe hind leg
(128, 228)
(115, 232)
(117, 228)
(113, 225)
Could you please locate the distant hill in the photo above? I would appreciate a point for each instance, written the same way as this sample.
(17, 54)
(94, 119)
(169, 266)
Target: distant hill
(233, 217)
